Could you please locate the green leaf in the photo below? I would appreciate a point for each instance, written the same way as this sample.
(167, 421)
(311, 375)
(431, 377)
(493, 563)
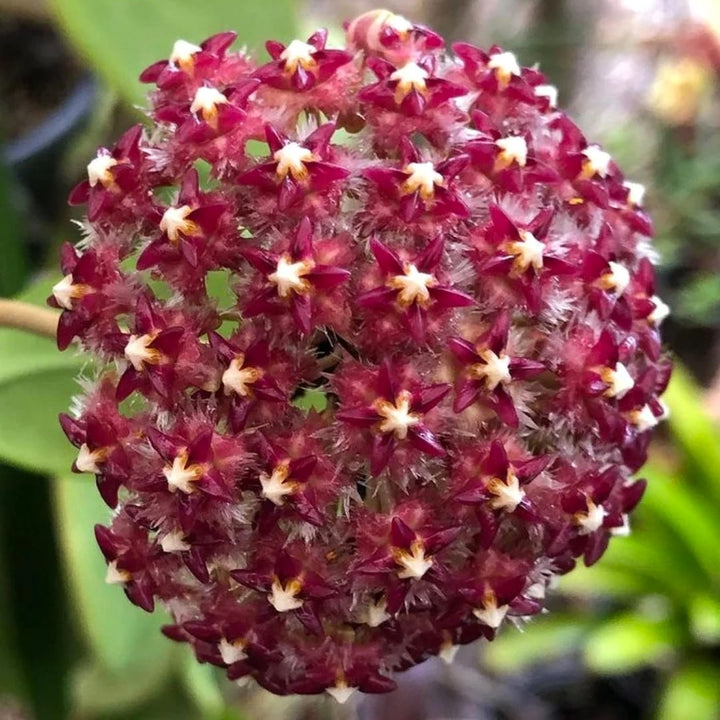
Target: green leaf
(36, 383)
(120, 636)
(120, 39)
(311, 400)
(695, 522)
(655, 557)
(605, 580)
(631, 641)
(201, 684)
(704, 612)
(545, 638)
(30, 436)
(695, 432)
(692, 693)
(97, 690)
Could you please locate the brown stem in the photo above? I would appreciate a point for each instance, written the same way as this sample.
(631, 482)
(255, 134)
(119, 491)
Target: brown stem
(31, 318)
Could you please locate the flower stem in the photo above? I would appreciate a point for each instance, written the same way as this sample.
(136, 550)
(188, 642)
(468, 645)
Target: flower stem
(31, 318)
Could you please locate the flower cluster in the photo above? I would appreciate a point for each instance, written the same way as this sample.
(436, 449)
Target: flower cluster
(428, 242)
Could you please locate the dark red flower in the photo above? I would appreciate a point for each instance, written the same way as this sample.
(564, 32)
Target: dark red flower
(276, 335)
(420, 187)
(292, 279)
(301, 65)
(409, 89)
(295, 168)
(488, 370)
(396, 415)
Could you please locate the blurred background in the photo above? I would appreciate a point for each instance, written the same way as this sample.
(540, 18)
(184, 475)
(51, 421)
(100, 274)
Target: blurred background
(638, 636)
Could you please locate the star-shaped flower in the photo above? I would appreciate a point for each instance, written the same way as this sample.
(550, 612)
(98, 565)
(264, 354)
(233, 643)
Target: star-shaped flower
(247, 379)
(301, 65)
(112, 176)
(150, 351)
(412, 288)
(184, 227)
(496, 72)
(488, 370)
(420, 187)
(295, 168)
(81, 293)
(396, 416)
(188, 61)
(409, 89)
(508, 159)
(522, 254)
(292, 279)
(497, 483)
(127, 559)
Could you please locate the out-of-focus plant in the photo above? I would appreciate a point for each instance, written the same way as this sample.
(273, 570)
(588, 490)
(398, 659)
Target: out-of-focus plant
(654, 599)
(684, 107)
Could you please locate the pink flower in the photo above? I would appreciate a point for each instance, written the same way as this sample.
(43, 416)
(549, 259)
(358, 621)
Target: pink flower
(432, 255)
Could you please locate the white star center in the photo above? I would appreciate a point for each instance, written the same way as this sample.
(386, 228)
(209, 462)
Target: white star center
(275, 487)
(422, 177)
(508, 493)
(183, 51)
(239, 379)
(495, 369)
(513, 149)
(87, 459)
(413, 564)
(490, 613)
(619, 380)
(592, 520)
(528, 251)
(291, 158)
(174, 221)
(505, 65)
(413, 286)
(138, 351)
(206, 102)
(180, 476)
(99, 170)
(298, 53)
(231, 652)
(396, 417)
(284, 599)
(597, 161)
(289, 276)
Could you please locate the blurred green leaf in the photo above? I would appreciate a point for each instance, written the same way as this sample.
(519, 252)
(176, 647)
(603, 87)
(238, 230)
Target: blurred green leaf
(630, 641)
(692, 693)
(36, 383)
(201, 684)
(97, 690)
(695, 432)
(30, 436)
(695, 522)
(120, 39)
(704, 615)
(120, 636)
(602, 579)
(546, 637)
(700, 297)
(650, 554)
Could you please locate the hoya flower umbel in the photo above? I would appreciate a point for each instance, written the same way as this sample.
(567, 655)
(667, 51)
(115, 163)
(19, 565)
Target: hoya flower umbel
(363, 385)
